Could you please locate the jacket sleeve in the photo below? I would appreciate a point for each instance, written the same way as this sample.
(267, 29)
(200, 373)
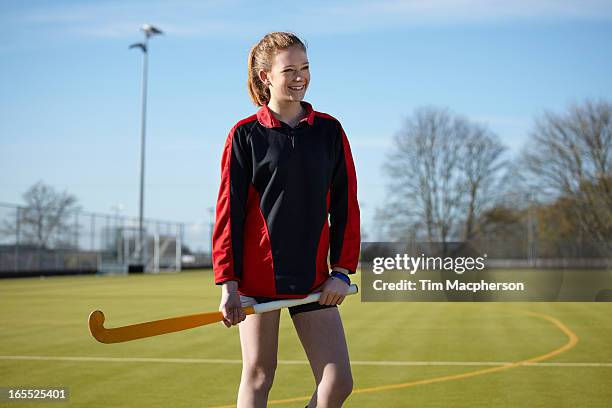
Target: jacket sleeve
(345, 235)
(227, 239)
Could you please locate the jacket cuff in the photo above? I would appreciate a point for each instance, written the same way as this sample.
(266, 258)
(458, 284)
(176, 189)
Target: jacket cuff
(343, 269)
(221, 281)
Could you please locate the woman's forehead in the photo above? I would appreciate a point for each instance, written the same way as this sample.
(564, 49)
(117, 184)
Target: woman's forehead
(290, 56)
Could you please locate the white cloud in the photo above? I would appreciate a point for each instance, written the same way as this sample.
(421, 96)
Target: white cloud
(124, 18)
(449, 11)
(240, 18)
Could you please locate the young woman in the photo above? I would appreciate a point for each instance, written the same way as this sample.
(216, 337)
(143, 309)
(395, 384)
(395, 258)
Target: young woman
(283, 171)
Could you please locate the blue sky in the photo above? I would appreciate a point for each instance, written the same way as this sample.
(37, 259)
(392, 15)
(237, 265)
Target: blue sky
(70, 88)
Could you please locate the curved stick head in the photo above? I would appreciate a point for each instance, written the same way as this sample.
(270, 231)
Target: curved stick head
(96, 325)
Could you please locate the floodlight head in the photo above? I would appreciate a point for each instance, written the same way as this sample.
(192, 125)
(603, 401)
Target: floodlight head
(142, 46)
(150, 30)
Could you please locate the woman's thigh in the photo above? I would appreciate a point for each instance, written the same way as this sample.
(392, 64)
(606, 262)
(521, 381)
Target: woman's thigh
(259, 339)
(322, 336)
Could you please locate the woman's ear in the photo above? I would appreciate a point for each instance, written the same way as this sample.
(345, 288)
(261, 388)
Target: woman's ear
(264, 77)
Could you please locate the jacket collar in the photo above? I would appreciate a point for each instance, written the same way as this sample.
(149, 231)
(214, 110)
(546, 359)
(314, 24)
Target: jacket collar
(267, 119)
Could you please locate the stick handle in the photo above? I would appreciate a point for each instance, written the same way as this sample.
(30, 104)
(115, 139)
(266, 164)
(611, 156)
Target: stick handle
(279, 304)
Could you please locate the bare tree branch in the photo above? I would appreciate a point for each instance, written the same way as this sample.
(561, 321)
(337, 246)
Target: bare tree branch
(44, 220)
(570, 155)
(440, 171)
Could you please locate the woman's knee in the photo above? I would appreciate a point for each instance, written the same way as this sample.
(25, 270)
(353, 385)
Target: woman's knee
(259, 377)
(345, 385)
(340, 385)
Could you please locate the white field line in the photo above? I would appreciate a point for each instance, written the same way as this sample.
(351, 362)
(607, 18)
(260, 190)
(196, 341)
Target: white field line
(291, 362)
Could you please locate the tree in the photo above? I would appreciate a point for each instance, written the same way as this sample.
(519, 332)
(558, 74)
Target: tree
(442, 169)
(44, 221)
(570, 155)
(481, 162)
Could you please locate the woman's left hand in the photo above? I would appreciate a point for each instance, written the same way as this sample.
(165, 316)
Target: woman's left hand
(333, 291)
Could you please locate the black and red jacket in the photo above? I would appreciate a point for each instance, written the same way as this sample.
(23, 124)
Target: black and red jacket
(278, 185)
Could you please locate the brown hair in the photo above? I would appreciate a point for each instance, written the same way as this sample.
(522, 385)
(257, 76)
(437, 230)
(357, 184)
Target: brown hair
(261, 56)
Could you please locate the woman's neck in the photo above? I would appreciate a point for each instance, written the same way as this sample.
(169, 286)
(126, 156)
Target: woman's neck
(289, 112)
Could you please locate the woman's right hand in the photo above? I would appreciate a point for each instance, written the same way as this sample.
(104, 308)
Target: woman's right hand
(231, 306)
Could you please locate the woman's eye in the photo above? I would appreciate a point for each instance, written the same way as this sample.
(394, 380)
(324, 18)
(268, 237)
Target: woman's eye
(291, 69)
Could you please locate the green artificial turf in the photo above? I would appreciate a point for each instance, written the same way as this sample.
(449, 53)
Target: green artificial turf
(48, 318)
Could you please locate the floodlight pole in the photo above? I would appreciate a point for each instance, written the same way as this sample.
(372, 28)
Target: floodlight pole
(149, 31)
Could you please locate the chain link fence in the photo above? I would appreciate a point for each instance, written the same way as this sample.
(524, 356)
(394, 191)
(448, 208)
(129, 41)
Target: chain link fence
(33, 242)
(520, 230)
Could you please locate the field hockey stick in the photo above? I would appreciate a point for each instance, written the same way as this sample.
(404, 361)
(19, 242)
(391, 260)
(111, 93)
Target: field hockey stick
(174, 324)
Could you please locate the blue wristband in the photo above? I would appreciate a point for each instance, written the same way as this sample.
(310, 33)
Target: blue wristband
(341, 276)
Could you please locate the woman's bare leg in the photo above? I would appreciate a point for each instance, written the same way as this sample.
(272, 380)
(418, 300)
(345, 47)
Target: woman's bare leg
(259, 342)
(322, 337)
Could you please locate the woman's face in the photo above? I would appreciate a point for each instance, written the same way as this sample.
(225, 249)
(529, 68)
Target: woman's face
(289, 76)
